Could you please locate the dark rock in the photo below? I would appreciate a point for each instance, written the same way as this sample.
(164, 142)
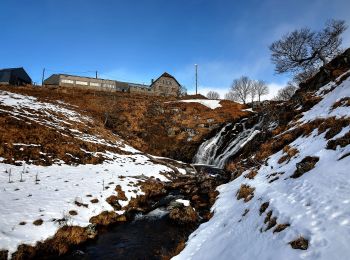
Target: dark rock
(307, 164)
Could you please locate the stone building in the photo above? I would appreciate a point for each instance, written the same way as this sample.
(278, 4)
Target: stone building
(165, 85)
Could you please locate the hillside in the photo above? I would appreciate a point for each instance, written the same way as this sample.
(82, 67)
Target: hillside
(66, 169)
(156, 125)
(289, 197)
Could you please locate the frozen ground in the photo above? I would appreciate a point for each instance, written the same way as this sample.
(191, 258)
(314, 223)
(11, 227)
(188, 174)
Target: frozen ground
(315, 205)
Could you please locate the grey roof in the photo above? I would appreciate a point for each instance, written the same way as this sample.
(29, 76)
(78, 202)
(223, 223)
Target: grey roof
(5, 74)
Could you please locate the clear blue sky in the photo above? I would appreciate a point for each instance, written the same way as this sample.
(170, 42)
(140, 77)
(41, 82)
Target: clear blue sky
(138, 40)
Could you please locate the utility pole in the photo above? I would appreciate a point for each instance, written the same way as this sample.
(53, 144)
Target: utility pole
(96, 73)
(196, 66)
(43, 77)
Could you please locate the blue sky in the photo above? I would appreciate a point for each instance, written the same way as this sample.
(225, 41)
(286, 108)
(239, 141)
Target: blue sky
(138, 40)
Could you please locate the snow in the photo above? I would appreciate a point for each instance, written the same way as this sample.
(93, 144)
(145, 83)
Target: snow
(186, 203)
(59, 186)
(316, 205)
(211, 103)
(324, 108)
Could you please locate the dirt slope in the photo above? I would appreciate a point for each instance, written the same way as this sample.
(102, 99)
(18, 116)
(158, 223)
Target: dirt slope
(156, 125)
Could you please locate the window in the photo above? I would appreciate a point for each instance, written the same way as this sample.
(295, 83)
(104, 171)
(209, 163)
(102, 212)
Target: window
(67, 81)
(95, 84)
(84, 83)
(108, 85)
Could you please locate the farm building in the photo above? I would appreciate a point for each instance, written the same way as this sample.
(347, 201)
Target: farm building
(14, 76)
(165, 85)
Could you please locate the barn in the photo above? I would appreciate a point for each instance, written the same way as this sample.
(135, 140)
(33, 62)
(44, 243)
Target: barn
(15, 77)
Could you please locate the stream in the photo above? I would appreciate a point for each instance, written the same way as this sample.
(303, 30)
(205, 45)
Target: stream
(155, 235)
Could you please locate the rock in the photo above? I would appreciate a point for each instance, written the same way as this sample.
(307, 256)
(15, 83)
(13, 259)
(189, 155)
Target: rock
(307, 164)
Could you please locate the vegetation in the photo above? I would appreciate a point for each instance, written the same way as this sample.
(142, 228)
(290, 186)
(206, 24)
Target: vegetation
(303, 51)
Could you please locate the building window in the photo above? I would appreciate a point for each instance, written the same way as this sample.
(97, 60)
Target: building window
(67, 81)
(108, 85)
(94, 84)
(84, 83)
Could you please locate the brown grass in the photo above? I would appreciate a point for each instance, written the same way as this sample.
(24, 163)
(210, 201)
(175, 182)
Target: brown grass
(38, 222)
(121, 193)
(251, 175)
(344, 102)
(300, 243)
(280, 227)
(73, 212)
(290, 152)
(341, 141)
(245, 192)
(263, 207)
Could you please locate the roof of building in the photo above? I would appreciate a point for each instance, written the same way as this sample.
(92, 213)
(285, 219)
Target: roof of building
(5, 74)
(165, 74)
(118, 83)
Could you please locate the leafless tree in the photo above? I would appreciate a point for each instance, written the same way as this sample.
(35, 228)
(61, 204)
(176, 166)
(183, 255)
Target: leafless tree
(261, 89)
(182, 91)
(304, 50)
(230, 96)
(253, 90)
(213, 95)
(240, 89)
(286, 93)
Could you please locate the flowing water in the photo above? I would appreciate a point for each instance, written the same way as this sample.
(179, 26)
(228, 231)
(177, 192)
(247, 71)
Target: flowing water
(154, 235)
(226, 143)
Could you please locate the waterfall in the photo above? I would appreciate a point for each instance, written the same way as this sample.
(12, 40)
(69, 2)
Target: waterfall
(226, 143)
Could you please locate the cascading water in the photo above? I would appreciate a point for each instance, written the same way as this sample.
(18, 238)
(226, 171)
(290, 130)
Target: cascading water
(226, 143)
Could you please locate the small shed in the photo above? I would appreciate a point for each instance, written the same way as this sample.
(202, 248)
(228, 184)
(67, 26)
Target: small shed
(14, 76)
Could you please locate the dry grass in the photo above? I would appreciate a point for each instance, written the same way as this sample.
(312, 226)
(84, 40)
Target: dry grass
(38, 222)
(144, 121)
(94, 201)
(73, 212)
(344, 102)
(341, 141)
(290, 152)
(280, 227)
(251, 175)
(121, 193)
(300, 243)
(245, 192)
(263, 207)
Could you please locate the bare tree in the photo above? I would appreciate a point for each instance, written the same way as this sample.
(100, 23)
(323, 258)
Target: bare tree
(304, 50)
(213, 95)
(230, 96)
(253, 90)
(182, 91)
(261, 89)
(241, 89)
(286, 93)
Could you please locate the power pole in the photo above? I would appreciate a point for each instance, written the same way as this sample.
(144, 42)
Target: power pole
(43, 77)
(196, 65)
(96, 73)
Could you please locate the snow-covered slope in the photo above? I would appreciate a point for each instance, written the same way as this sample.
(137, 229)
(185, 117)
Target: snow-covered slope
(304, 197)
(211, 103)
(34, 198)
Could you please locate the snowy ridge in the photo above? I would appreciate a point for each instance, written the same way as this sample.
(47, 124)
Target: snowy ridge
(315, 206)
